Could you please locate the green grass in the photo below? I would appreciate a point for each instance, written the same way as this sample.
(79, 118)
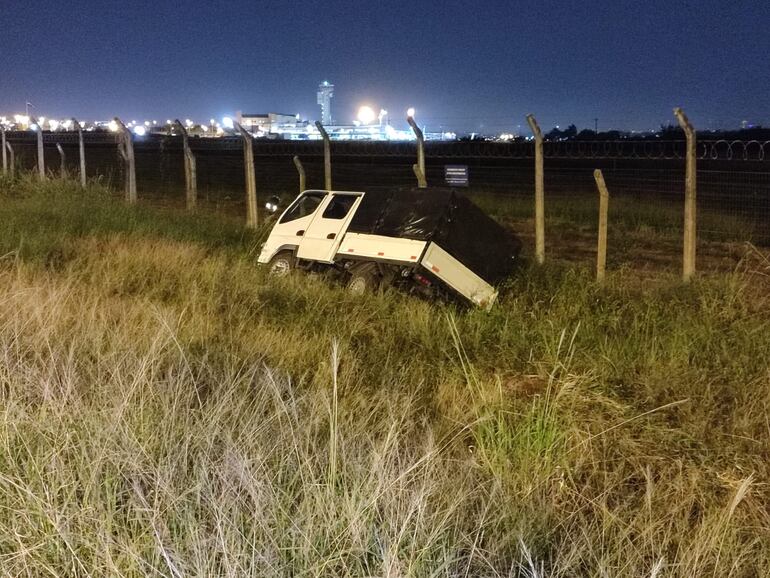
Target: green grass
(626, 214)
(167, 409)
(44, 218)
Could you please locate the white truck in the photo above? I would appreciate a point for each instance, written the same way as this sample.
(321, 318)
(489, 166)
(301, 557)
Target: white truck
(435, 241)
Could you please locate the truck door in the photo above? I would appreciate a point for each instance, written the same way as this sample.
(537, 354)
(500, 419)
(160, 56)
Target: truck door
(324, 234)
(290, 228)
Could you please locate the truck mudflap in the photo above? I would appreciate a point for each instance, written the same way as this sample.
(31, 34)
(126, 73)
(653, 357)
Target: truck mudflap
(458, 277)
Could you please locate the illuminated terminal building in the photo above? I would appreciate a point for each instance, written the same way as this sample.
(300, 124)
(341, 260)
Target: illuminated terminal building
(369, 126)
(271, 123)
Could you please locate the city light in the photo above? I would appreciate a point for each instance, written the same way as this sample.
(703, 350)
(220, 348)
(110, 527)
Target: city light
(369, 123)
(366, 115)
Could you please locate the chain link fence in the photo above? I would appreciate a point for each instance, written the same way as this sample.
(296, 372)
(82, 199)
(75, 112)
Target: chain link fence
(645, 177)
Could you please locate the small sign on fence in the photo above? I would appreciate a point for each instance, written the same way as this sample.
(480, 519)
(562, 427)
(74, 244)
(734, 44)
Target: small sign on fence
(456, 175)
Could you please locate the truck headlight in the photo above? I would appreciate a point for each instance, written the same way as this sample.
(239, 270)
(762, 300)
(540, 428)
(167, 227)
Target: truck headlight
(272, 204)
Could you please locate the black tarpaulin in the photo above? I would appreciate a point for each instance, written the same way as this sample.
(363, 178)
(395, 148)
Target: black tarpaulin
(415, 214)
(446, 217)
(403, 213)
(478, 241)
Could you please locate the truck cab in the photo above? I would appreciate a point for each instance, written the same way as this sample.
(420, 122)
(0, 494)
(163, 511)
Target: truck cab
(312, 227)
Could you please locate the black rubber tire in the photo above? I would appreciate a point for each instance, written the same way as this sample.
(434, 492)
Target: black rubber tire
(364, 278)
(281, 264)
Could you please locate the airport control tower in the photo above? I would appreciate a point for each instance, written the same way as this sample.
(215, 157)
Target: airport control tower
(325, 93)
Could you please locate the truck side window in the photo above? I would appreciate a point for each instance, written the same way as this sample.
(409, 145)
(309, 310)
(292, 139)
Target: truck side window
(303, 207)
(339, 207)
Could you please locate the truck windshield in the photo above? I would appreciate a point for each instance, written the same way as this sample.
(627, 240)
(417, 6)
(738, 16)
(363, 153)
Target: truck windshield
(303, 207)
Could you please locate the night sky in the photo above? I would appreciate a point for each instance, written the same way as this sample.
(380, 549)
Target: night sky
(465, 66)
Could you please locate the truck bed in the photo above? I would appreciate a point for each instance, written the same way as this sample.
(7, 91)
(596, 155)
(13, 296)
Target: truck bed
(427, 255)
(380, 248)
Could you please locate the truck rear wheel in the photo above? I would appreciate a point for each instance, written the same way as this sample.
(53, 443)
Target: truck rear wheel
(281, 264)
(364, 278)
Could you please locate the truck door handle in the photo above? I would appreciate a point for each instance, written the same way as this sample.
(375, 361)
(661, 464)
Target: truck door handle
(331, 235)
(300, 233)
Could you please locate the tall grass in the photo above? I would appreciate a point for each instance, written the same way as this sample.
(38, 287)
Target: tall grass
(660, 218)
(166, 409)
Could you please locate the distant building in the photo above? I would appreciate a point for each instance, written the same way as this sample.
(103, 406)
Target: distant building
(268, 123)
(325, 93)
(290, 127)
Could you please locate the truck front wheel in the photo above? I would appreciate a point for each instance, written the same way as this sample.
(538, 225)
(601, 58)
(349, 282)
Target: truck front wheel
(364, 278)
(281, 265)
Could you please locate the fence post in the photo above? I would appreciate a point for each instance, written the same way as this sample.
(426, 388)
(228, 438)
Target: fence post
(327, 155)
(5, 153)
(604, 201)
(62, 160)
(126, 148)
(190, 170)
(419, 168)
(11, 157)
(81, 152)
(301, 171)
(40, 152)
(690, 189)
(539, 191)
(252, 219)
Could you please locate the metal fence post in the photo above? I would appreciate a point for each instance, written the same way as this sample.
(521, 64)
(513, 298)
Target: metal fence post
(126, 148)
(690, 189)
(5, 153)
(190, 170)
(327, 155)
(252, 219)
(11, 157)
(539, 191)
(419, 168)
(301, 171)
(601, 250)
(62, 160)
(81, 153)
(40, 151)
